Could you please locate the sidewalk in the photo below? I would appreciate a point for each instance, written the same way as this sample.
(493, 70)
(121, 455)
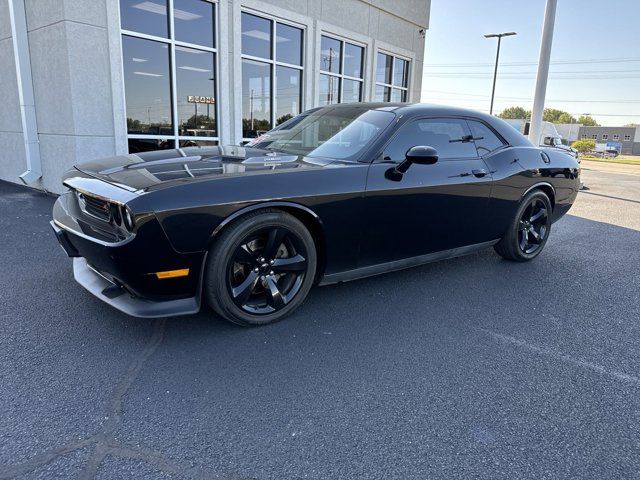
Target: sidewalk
(611, 167)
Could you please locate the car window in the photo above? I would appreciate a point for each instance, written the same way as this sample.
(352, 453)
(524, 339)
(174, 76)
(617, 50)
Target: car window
(446, 135)
(486, 141)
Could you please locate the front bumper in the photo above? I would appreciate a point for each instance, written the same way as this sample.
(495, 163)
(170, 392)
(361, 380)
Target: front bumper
(122, 273)
(118, 297)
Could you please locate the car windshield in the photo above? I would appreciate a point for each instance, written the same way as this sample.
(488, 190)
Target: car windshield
(338, 132)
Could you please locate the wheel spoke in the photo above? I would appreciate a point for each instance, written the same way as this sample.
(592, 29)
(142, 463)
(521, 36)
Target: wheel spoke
(542, 213)
(274, 240)
(244, 255)
(523, 240)
(535, 235)
(274, 296)
(296, 263)
(242, 292)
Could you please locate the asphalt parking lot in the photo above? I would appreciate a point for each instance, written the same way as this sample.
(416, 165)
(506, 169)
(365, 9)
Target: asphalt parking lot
(469, 368)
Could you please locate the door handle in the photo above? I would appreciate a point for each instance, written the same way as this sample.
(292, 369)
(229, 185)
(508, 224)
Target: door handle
(481, 172)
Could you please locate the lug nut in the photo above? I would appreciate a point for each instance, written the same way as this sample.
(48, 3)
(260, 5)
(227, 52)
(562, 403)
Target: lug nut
(271, 272)
(256, 269)
(271, 262)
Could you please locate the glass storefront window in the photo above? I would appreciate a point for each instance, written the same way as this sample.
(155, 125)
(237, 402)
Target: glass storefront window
(330, 55)
(149, 17)
(170, 82)
(351, 91)
(288, 90)
(272, 70)
(256, 36)
(392, 79)
(353, 60)
(195, 85)
(288, 44)
(256, 98)
(341, 67)
(194, 22)
(329, 89)
(147, 86)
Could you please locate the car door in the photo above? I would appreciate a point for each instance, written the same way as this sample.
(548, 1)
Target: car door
(429, 208)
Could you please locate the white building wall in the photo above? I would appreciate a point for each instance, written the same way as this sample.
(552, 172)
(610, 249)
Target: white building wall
(76, 63)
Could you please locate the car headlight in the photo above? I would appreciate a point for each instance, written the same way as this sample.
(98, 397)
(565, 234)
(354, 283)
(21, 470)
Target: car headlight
(127, 218)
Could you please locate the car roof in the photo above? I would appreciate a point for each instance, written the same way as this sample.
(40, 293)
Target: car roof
(507, 131)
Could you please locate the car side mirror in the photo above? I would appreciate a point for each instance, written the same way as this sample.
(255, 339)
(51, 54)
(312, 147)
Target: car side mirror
(420, 154)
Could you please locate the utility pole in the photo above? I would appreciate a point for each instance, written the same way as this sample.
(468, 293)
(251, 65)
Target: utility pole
(543, 72)
(495, 71)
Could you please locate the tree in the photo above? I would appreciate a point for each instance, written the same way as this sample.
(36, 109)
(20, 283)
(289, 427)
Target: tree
(588, 121)
(566, 118)
(554, 115)
(133, 124)
(283, 118)
(515, 113)
(585, 145)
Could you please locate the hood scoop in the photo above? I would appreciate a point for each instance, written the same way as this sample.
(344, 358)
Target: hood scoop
(273, 158)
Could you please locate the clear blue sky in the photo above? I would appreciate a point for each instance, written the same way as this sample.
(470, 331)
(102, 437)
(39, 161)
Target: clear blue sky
(599, 34)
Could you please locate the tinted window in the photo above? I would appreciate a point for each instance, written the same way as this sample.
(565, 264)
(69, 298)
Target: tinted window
(351, 91)
(353, 60)
(256, 97)
(288, 44)
(329, 89)
(145, 16)
(195, 82)
(486, 141)
(193, 21)
(288, 84)
(383, 68)
(442, 134)
(330, 55)
(256, 36)
(147, 86)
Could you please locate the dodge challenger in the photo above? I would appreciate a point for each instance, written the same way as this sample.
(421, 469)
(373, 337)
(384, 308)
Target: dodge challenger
(345, 192)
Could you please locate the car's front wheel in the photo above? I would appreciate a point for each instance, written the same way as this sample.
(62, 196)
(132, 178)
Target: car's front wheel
(529, 229)
(261, 268)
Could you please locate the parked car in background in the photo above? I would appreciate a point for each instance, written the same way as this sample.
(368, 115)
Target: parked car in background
(349, 191)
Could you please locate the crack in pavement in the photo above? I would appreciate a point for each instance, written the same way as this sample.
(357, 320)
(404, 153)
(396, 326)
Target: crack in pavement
(104, 442)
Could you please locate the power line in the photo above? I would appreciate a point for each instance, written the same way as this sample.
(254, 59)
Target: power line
(528, 98)
(557, 62)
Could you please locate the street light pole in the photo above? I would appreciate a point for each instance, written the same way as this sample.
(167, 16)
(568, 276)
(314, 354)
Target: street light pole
(495, 71)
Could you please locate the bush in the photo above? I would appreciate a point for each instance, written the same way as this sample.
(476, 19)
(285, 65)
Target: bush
(585, 145)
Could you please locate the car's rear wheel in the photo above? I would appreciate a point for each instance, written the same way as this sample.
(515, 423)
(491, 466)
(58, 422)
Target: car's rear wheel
(528, 233)
(261, 268)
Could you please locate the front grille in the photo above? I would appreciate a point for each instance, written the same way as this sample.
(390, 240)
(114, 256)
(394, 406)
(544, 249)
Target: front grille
(96, 207)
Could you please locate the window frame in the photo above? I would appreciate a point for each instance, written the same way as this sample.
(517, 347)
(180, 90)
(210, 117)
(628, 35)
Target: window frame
(379, 157)
(605, 136)
(273, 63)
(627, 138)
(171, 42)
(594, 136)
(341, 75)
(391, 86)
(504, 142)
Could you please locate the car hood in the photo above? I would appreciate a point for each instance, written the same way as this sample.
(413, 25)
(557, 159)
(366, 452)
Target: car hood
(151, 170)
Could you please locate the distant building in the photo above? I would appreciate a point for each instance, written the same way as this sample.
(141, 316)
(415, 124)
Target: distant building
(629, 137)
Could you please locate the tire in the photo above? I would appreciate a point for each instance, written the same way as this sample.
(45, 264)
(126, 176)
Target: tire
(249, 290)
(529, 230)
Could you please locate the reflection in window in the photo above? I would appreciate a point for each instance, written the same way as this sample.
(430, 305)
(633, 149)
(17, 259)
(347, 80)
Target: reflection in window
(392, 79)
(167, 103)
(288, 85)
(383, 94)
(329, 89)
(341, 67)
(195, 84)
(271, 73)
(193, 21)
(147, 86)
(330, 55)
(256, 98)
(288, 44)
(145, 16)
(351, 91)
(256, 36)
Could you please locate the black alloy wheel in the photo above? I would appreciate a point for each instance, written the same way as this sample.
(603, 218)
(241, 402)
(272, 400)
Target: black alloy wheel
(532, 228)
(267, 270)
(529, 230)
(261, 268)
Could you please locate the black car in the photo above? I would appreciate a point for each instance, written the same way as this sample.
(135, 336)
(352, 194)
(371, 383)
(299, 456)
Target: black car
(349, 191)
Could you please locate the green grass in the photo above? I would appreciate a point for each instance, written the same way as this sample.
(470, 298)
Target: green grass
(620, 159)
